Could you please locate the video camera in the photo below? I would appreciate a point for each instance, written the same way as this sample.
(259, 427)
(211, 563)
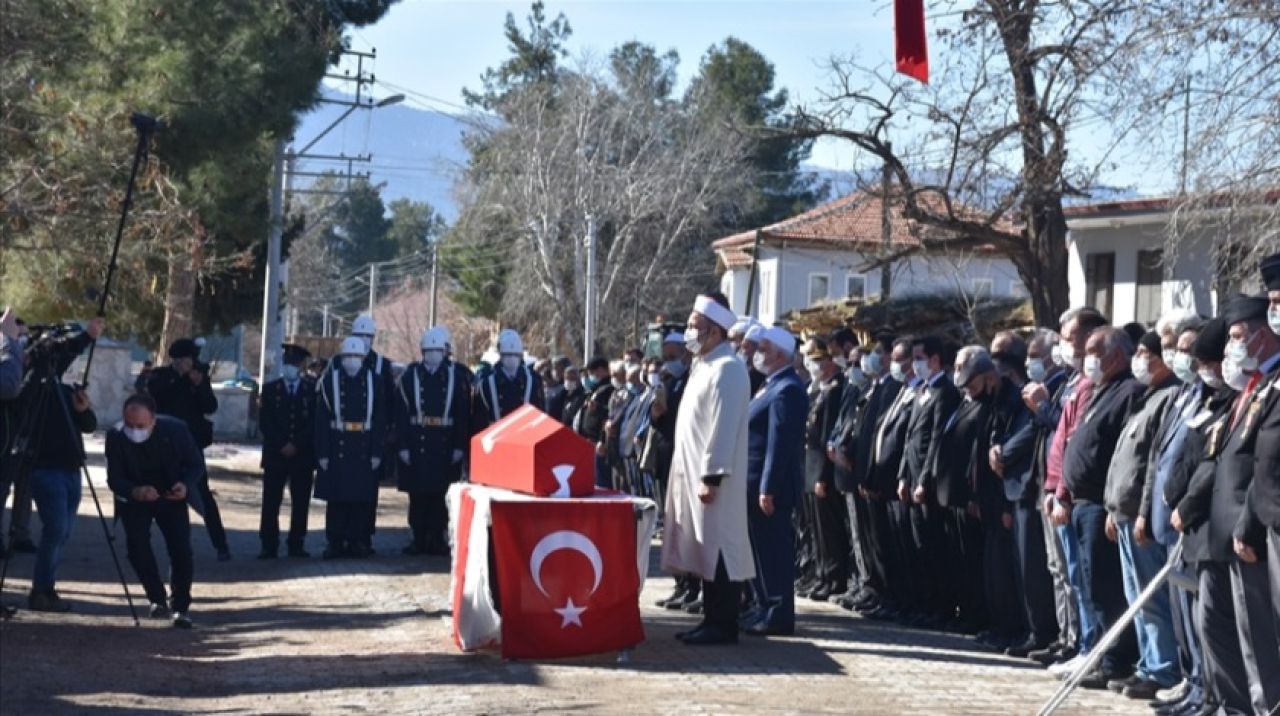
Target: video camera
(52, 348)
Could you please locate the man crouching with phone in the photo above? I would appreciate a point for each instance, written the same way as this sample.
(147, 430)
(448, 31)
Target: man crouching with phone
(150, 462)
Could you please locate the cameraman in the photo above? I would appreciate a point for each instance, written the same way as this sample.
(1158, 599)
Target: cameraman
(150, 461)
(182, 390)
(53, 451)
(12, 343)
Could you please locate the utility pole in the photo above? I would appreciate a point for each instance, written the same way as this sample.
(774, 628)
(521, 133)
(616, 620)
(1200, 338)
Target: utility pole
(589, 330)
(751, 280)
(269, 359)
(1186, 133)
(324, 328)
(373, 286)
(886, 229)
(435, 279)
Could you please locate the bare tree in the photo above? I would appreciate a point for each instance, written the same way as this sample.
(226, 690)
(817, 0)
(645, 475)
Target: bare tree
(651, 176)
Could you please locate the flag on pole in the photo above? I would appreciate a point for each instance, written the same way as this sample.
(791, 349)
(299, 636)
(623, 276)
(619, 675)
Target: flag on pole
(911, 49)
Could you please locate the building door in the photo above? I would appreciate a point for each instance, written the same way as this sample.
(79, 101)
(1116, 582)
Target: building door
(1150, 283)
(1100, 281)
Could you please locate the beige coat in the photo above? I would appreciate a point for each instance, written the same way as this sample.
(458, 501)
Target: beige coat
(711, 438)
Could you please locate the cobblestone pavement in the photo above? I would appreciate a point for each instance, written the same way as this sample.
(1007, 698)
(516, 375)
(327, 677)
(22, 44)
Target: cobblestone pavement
(372, 636)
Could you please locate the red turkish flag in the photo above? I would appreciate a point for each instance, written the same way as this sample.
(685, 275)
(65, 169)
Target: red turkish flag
(911, 48)
(567, 577)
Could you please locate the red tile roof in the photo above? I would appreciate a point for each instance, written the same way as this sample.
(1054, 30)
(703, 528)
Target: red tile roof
(852, 221)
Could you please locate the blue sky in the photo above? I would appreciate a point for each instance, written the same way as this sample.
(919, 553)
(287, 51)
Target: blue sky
(437, 47)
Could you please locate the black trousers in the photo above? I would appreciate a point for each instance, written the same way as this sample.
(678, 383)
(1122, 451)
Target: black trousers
(299, 479)
(928, 543)
(175, 527)
(876, 547)
(829, 535)
(1216, 617)
(806, 552)
(720, 598)
(207, 508)
(1035, 586)
(999, 579)
(965, 558)
(346, 523)
(428, 518)
(902, 579)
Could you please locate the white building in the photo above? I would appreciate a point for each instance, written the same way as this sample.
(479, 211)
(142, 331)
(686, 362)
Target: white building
(826, 254)
(1117, 262)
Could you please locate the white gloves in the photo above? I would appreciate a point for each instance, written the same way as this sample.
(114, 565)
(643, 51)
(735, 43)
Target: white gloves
(375, 462)
(324, 463)
(404, 456)
(457, 456)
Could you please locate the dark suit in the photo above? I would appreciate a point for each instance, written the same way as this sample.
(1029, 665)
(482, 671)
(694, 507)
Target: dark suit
(1264, 493)
(887, 449)
(854, 433)
(933, 406)
(826, 515)
(775, 467)
(959, 449)
(286, 416)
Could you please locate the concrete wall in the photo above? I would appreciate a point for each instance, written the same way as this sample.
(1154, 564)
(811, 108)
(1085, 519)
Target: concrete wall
(110, 379)
(235, 419)
(785, 272)
(1191, 285)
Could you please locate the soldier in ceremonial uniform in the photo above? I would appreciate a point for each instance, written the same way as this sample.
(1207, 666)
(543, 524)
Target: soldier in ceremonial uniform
(365, 329)
(287, 419)
(432, 418)
(509, 385)
(351, 427)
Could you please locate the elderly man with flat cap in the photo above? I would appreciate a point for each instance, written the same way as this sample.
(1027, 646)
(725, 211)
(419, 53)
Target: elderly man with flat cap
(706, 518)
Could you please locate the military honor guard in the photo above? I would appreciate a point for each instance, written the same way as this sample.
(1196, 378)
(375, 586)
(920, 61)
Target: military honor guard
(287, 419)
(432, 418)
(508, 386)
(350, 431)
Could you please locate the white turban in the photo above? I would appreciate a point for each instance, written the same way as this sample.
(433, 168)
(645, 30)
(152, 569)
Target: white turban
(781, 338)
(755, 332)
(715, 312)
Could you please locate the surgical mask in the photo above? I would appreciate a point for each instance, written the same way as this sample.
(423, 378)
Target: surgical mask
(840, 361)
(871, 364)
(432, 358)
(1093, 369)
(1183, 367)
(591, 382)
(655, 380)
(137, 435)
(351, 365)
(960, 380)
(812, 367)
(1070, 357)
(1141, 367)
(1238, 351)
(1209, 378)
(857, 377)
(1273, 319)
(692, 341)
(635, 388)
(290, 373)
(1233, 375)
(897, 372)
(1036, 370)
(1055, 355)
(570, 386)
(674, 367)
(510, 363)
(920, 368)
(619, 384)
(759, 362)
(1167, 355)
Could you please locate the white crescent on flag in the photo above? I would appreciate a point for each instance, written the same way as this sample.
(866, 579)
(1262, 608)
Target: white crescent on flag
(565, 539)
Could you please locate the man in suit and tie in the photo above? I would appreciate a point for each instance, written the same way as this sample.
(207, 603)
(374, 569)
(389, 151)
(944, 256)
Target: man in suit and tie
(886, 456)
(1236, 536)
(936, 401)
(775, 481)
(286, 417)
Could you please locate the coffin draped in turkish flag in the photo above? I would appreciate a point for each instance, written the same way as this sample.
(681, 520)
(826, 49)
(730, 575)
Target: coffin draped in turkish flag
(529, 451)
(567, 578)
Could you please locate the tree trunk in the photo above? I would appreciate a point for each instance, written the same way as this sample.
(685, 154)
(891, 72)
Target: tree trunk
(180, 296)
(1044, 268)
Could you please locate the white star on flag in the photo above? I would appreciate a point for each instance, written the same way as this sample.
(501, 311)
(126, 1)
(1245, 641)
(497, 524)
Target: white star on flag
(571, 613)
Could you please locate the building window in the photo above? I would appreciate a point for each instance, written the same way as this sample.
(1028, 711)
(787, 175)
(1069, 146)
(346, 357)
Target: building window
(855, 286)
(767, 293)
(983, 287)
(819, 287)
(1150, 281)
(1100, 281)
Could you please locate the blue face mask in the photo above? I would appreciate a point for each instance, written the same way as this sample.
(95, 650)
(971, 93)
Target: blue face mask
(290, 373)
(590, 382)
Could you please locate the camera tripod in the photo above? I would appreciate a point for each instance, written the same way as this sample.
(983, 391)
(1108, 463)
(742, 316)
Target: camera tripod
(47, 373)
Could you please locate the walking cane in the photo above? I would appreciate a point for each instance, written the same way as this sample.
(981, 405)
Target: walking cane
(1113, 634)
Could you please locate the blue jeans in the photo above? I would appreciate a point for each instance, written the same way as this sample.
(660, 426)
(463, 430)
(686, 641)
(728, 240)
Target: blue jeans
(57, 496)
(1100, 565)
(1157, 646)
(1089, 627)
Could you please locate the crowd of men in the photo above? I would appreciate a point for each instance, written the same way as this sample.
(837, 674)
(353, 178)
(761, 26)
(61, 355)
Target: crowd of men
(1027, 492)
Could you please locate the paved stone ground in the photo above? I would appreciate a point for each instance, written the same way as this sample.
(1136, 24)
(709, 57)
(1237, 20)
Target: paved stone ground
(372, 636)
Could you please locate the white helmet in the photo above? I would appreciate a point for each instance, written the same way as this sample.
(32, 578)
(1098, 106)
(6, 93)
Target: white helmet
(352, 346)
(435, 339)
(448, 339)
(509, 343)
(364, 325)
